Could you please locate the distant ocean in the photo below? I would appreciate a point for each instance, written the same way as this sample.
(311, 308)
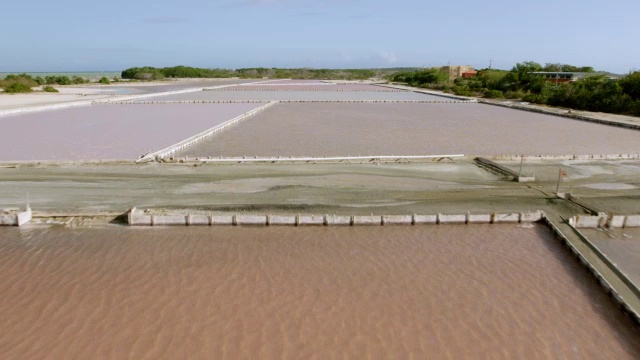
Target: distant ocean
(93, 75)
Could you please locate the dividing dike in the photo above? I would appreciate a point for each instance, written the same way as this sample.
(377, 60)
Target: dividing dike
(157, 155)
(623, 291)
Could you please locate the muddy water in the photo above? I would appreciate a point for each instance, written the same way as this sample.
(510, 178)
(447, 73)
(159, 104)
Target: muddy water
(108, 131)
(412, 129)
(488, 291)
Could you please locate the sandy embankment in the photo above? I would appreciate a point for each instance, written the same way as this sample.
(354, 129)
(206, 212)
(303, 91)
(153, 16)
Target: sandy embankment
(97, 91)
(16, 101)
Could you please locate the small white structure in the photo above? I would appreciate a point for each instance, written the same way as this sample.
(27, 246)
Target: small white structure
(15, 217)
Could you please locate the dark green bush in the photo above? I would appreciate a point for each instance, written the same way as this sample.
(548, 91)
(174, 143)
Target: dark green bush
(104, 81)
(494, 94)
(50, 89)
(17, 87)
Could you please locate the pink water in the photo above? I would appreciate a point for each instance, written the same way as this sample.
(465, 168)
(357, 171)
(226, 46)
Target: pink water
(108, 131)
(342, 129)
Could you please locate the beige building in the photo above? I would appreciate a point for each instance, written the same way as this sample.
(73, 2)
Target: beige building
(459, 71)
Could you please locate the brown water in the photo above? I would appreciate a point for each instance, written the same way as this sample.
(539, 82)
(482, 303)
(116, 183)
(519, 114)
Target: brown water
(343, 129)
(108, 131)
(486, 291)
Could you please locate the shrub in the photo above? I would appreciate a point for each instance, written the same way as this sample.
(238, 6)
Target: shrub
(494, 94)
(79, 80)
(17, 88)
(515, 94)
(50, 89)
(104, 81)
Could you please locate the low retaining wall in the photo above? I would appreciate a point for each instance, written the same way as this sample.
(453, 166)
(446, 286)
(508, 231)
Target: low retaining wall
(144, 96)
(566, 115)
(154, 102)
(18, 218)
(372, 159)
(567, 157)
(239, 88)
(429, 92)
(605, 220)
(38, 108)
(195, 138)
(137, 217)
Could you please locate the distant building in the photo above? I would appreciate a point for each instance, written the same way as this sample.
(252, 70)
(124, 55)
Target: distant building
(459, 71)
(565, 76)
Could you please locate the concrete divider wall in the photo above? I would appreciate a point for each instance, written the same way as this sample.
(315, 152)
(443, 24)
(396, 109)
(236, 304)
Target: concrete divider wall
(605, 220)
(632, 221)
(138, 217)
(372, 158)
(566, 115)
(195, 138)
(567, 157)
(160, 102)
(451, 219)
(16, 219)
(429, 92)
(39, 108)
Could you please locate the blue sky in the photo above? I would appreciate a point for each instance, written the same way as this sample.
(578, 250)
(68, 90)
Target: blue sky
(73, 35)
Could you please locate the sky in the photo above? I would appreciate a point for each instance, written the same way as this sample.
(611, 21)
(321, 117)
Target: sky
(73, 35)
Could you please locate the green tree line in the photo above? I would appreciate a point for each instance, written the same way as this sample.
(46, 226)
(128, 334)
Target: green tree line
(592, 93)
(22, 83)
(152, 73)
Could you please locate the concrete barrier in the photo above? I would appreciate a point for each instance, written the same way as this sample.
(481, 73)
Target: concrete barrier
(338, 220)
(451, 219)
(478, 218)
(250, 220)
(506, 218)
(425, 219)
(371, 158)
(281, 220)
(367, 220)
(223, 220)
(397, 220)
(138, 217)
(632, 221)
(16, 217)
(304, 220)
(616, 221)
(531, 216)
(603, 220)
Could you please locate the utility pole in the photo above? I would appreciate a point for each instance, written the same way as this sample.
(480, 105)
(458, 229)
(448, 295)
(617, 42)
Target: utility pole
(560, 174)
(490, 63)
(521, 161)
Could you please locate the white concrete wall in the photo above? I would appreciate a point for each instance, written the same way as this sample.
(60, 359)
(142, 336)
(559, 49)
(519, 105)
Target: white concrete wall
(195, 138)
(138, 217)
